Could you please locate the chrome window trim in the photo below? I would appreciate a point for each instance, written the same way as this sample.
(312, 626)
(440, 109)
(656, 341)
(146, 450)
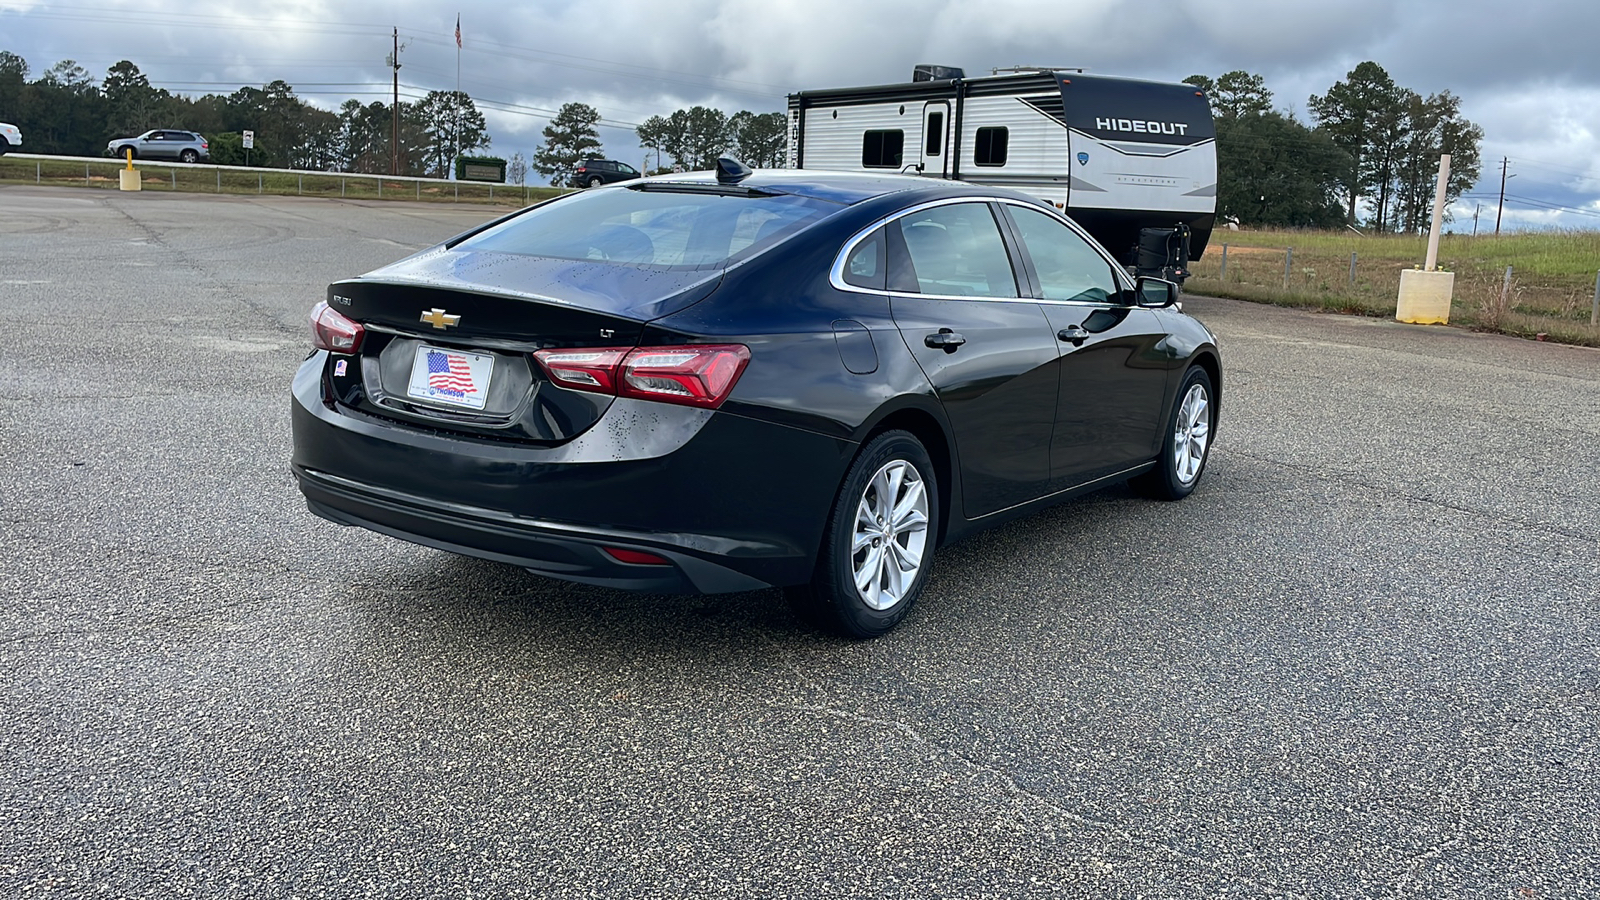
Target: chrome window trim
(836, 274)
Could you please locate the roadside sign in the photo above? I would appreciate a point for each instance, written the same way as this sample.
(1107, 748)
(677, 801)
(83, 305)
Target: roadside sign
(249, 140)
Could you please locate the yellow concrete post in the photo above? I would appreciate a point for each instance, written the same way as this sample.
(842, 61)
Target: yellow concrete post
(128, 179)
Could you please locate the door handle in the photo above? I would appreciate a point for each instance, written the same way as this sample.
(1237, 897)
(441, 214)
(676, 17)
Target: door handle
(1073, 334)
(945, 340)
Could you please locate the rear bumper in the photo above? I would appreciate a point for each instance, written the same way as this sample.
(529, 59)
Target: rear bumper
(568, 552)
(732, 503)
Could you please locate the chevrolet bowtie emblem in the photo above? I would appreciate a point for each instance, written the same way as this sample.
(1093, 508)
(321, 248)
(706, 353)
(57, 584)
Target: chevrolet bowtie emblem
(439, 319)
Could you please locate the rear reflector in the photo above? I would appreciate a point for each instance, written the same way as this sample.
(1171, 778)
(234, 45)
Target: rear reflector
(635, 557)
(686, 374)
(332, 331)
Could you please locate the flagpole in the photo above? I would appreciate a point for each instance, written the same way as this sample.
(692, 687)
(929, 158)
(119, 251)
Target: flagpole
(458, 91)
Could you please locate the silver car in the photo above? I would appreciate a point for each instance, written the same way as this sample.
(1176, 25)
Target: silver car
(162, 143)
(10, 137)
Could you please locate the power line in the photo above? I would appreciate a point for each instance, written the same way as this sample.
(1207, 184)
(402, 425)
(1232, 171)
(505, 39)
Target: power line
(421, 36)
(1557, 207)
(1565, 171)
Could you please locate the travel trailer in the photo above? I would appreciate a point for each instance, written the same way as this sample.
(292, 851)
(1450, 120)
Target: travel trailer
(1133, 162)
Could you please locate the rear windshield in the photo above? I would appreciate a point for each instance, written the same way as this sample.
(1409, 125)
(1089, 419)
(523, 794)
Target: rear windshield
(689, 230)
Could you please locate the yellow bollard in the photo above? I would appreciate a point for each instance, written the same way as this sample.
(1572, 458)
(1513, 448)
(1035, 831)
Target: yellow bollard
(128, 179)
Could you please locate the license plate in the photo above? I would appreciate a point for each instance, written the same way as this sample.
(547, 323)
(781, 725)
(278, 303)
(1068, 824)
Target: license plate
(450, 377)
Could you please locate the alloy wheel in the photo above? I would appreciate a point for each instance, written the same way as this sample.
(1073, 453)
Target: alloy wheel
(1191, 434)
(891, 535)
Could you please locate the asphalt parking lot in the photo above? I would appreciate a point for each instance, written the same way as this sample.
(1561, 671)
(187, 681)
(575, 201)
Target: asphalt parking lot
(1362, 660)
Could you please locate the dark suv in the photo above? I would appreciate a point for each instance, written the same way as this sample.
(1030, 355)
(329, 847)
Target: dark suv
(163, 143)
(595, 172)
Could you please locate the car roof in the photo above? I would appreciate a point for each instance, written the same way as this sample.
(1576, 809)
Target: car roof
(842, 187)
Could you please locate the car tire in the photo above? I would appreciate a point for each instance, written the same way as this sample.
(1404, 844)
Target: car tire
(879, 541)
(5, 146)
(1187, 444)
(596, 181)
(189, 156)
(122, 152)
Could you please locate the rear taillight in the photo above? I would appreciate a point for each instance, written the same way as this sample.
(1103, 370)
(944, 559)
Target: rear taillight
(688, 374)
(332, 331)
(586, 370)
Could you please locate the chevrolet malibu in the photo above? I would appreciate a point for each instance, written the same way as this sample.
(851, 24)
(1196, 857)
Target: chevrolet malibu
(733, 380)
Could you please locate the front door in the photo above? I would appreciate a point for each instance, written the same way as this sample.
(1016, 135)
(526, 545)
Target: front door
(1112, 360)
(989, 354)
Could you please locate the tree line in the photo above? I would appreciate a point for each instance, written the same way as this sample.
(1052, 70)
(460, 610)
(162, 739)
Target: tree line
(1372, 144)
(67, 111)
(687, 140)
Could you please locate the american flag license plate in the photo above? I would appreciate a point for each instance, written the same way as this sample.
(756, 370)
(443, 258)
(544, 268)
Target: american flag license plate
(450, 377)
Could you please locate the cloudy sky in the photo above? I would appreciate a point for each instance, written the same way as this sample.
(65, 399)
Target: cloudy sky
(1528, 72)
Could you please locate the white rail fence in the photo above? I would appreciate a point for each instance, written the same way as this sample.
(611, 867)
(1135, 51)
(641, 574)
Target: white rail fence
(416, 183)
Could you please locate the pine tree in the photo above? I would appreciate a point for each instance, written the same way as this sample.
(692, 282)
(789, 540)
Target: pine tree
(569, 139)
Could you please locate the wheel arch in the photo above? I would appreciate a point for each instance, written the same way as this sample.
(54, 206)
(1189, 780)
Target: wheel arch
(1207, 359)
(928, 428)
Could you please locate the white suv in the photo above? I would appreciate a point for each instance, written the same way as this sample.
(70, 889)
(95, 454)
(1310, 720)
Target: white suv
(10, 136)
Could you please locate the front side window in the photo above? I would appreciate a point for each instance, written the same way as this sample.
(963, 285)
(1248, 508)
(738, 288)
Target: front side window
(956, 251)
(678, 229)
(991, 146)
(882, 149)
(1067, 266)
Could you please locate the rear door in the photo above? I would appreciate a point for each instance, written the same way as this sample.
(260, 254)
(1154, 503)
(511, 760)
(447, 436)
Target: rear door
(1113, 357)
(173, 143)
(989, 354)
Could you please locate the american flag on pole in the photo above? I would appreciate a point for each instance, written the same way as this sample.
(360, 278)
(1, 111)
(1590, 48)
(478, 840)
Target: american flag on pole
(449, 374)
(458, 31)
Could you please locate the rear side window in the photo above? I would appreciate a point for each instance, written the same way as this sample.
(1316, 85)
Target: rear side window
(991, 146)
(883, 149)
(864, 267)
(680, 230)
(957, 251)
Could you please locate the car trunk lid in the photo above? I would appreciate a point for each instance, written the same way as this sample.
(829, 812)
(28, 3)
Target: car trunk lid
(450, 337)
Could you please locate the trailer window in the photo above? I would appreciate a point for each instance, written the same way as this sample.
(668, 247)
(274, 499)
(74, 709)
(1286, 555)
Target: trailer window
(990, 148)
(882, 149)
(935, 143)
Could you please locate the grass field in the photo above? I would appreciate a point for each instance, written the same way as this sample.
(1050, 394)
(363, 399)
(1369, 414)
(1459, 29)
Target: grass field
(1551, 290)
(211, 180)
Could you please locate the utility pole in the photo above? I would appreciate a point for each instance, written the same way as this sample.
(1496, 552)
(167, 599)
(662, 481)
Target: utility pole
(394, 146)
(1475, 218)
(1504, 163)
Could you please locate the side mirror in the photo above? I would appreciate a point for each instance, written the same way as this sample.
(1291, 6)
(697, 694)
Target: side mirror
(1154, 293)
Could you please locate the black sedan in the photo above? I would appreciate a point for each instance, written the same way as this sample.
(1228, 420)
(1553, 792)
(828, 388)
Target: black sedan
(733, 380)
